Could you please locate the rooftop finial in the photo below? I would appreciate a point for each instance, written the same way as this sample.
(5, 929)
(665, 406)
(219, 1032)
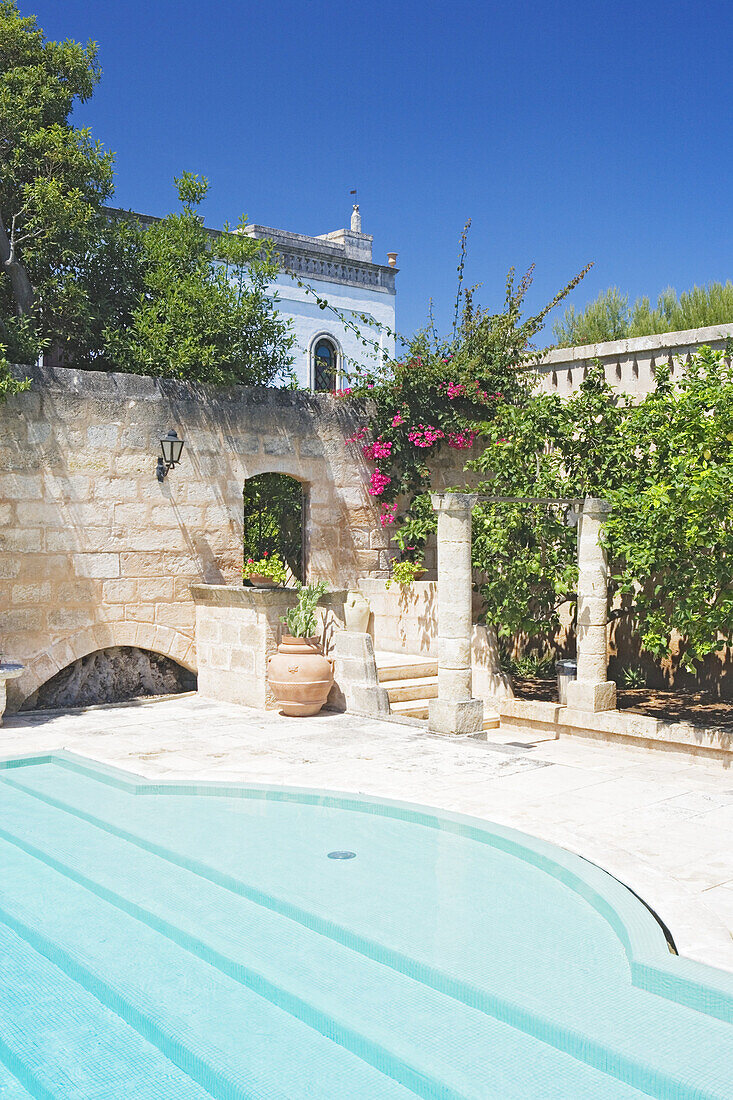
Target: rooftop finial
(355, 216)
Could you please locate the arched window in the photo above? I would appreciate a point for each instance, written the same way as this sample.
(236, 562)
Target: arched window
(325, 365)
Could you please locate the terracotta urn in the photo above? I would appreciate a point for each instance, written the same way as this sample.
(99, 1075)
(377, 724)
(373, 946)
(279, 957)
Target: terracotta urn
(300, 676)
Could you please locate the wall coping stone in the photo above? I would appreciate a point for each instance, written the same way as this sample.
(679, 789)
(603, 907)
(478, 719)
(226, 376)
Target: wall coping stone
(658, 341)
(642, 729)
(119, 386)
(260, 599)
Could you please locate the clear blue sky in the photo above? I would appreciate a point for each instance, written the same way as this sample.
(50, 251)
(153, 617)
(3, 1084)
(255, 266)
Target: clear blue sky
(568, 132)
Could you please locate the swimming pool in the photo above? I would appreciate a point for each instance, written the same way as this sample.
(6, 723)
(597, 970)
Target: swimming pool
(195, 940)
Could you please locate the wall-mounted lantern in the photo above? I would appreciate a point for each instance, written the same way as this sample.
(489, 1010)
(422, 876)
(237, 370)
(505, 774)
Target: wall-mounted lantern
(172, 447)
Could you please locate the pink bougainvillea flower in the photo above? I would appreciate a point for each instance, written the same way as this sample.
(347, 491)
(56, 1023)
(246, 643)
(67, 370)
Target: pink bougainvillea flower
(461, 440)
(455, 389)
(425, 435)
(378, 482)
(389, 511)
(397, 419)
(357, 438)
(380, 449)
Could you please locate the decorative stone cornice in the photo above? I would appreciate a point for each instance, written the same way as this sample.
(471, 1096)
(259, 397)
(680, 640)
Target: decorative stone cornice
(342, 257)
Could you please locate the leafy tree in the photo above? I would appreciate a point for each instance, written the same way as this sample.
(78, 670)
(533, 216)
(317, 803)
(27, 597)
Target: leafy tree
(606, 318)
(54, 180)
(666, 466)
(204, 314)
(696, 308)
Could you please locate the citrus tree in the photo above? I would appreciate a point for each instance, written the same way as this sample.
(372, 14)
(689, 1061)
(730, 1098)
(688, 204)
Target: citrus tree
(666, 466)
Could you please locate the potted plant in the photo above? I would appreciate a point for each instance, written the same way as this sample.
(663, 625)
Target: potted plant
(265, 572)
(405, 572)
(300, 676)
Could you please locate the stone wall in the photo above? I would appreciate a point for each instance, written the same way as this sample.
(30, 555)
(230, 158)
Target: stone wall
(95, 552)
(629, 364)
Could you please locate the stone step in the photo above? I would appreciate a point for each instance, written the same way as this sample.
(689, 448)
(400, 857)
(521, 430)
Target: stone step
(404, 666)
(411, 708)
(419, 687)
(491, 721)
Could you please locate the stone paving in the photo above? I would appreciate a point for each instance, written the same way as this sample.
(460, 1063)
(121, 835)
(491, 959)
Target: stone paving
(660, 821)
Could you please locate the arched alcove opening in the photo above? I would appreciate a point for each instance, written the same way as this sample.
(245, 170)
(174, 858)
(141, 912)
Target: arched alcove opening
(274, 515)
(112, 675)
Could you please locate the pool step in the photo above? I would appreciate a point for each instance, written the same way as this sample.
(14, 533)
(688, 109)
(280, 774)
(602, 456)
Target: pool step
(59, 1041)
(231, 1041)
(10, 1086)
(205, 959)
(99, 865)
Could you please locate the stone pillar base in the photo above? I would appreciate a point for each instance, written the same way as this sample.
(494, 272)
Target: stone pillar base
(8, 671)
(594, 697)
(466, 716)
(357, 688)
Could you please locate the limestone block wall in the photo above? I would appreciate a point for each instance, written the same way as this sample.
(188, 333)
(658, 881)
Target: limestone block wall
(95, 552)
(405, 620)
(629, 364)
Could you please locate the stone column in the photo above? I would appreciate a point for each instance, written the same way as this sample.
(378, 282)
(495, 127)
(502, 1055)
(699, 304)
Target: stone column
(454, 711)
(592, 690)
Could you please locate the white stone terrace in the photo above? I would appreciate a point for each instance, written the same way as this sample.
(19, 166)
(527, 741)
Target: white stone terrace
(660, 822)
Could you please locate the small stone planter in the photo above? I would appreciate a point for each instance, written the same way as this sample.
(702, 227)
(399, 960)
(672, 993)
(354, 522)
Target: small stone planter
(300, 676)
(259, 580)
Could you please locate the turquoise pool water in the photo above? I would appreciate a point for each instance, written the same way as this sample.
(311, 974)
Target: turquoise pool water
(189, 941)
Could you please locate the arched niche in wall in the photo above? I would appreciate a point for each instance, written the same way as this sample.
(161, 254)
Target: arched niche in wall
(274, 520)
(111, 675)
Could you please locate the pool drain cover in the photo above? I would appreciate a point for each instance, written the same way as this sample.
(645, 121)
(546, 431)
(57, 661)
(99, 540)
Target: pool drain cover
(342, 855)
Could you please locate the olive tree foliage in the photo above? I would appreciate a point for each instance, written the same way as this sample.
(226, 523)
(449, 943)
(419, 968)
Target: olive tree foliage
(666, 466)
(53, 183)
(204, 313)
(107, 292)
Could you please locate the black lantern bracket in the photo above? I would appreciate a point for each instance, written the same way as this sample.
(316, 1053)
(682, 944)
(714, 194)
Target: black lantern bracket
(171, 446)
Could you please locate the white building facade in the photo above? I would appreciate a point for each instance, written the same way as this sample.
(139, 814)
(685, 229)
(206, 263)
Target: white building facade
(338, 268)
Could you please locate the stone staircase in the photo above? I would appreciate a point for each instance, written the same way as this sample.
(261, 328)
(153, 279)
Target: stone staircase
(411, 682)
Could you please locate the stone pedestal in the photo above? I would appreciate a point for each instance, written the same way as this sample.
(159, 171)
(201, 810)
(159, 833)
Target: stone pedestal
(454, 711)
(355, 673)
(237, 630)
(592, 690)
(8, 671)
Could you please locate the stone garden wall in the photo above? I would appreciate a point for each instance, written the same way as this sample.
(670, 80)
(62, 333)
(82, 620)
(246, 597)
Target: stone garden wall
(629, 364)
(95, 553)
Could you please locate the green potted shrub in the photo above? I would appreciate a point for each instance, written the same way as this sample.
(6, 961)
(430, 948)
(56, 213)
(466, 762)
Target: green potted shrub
(265, 572)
